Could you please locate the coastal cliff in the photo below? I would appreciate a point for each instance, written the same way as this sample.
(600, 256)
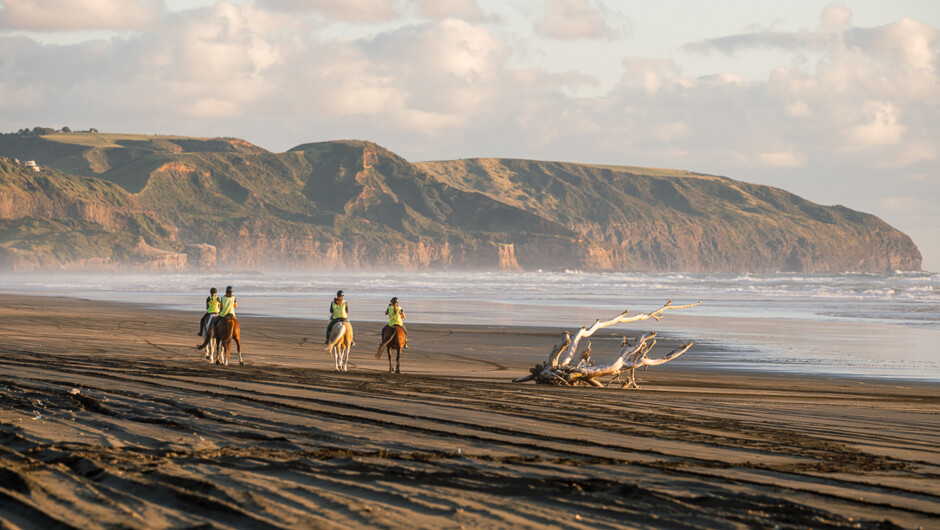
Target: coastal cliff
(50, 220)
(355, 205)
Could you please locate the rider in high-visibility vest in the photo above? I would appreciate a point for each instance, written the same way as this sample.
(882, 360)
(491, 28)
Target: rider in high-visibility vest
(212, 309)
(395, 316)
(339, 312)
(228, 303)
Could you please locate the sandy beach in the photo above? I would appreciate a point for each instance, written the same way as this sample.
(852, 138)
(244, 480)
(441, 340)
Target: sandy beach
(110, 418)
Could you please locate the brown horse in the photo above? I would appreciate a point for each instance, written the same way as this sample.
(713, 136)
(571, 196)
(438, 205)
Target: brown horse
(393, 338)
(219, 339)
(227, 330)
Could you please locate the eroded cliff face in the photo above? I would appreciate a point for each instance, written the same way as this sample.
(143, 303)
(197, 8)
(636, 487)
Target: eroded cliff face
(259, 252)
(17, 204)
(252, 251)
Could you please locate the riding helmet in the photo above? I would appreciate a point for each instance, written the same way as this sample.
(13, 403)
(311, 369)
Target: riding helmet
(228, 290)
(394, 300)
(213, 290)
(339, 293)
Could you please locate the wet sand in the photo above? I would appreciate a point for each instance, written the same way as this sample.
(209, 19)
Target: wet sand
(110, 418)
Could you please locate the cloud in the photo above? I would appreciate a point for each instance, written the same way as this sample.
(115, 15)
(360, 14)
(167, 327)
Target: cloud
(667, 132)
(870, 94)
(900, 203)
(651, 74)
(341, 10)
(785, 158)
(836, 17)
(870, 97)
(881, 127)
(216, 62)
(854, 105)
(71, 15)
(906, 42)
(580, 19)
(440, 9)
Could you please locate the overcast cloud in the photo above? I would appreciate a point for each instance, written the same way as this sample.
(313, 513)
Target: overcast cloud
(852, 116)
(70, 15)
(579, 19)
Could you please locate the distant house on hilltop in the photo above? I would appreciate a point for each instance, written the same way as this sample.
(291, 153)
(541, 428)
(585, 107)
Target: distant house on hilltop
(33, 164)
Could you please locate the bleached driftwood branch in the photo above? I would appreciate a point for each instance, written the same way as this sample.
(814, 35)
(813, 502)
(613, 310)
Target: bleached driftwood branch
(558, 370)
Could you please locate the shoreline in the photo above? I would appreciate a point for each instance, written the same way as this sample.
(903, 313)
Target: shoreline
(108, 417)
(711, 355)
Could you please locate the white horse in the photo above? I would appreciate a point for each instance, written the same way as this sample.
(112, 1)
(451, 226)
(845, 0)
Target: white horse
(211, 346)
(212, 349)
(341, 340)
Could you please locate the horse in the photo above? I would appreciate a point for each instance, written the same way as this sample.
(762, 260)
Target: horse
(211, 343)
(341, 340)
(393, 338)
(219, 338)
(226, 330)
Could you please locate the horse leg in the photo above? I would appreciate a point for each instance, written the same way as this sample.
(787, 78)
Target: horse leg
(238, 344)
(397, 360)
(345, 358)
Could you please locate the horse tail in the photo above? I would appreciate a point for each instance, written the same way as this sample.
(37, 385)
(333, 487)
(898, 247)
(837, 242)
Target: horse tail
(333, 342)
(209, 334)
(378, 354)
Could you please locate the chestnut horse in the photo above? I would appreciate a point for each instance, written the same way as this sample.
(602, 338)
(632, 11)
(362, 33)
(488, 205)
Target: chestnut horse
(393, 338)
(227, 330)
(341, 340)
(220, 335)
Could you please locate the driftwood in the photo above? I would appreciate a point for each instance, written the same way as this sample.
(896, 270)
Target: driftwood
(559, 369)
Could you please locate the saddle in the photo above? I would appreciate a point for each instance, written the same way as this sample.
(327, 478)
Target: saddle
(218, 320)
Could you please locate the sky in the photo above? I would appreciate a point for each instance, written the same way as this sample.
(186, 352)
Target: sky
(836, 102)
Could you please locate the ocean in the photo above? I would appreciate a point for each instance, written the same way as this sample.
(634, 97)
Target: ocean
(842, 325)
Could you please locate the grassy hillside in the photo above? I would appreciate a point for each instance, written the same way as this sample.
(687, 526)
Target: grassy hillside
(676, 220)
(355, 204)
(51, 219)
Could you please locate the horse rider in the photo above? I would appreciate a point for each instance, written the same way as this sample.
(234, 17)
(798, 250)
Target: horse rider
(395, 317)
(227, 305)
(213, 304)
(339, 312)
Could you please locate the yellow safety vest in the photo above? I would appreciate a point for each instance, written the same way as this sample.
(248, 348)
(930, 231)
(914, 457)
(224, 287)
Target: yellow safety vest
(394, 316)
(228, 306)
(213, 305)
(339, 310)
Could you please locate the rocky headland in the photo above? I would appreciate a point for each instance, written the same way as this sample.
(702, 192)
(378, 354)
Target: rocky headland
(111, 201)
